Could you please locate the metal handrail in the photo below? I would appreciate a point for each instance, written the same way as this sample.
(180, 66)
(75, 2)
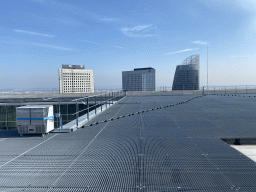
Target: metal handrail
(105, 98)
(94, 105)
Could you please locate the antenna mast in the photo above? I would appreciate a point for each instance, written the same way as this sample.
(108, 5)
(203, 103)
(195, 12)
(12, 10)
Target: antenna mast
(207, 68)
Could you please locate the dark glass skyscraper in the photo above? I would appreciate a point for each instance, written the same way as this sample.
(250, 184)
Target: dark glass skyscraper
(187, 74)
(141, 79)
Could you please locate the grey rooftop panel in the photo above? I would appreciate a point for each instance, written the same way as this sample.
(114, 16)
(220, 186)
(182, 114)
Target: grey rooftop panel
(174, 148)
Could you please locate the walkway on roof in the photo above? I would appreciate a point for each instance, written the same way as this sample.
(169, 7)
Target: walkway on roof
(177, 148)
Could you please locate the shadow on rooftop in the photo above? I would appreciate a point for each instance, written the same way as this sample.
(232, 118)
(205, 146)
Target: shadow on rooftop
(13, 133)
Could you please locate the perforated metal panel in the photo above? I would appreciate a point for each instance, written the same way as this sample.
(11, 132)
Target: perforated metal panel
(177, 148)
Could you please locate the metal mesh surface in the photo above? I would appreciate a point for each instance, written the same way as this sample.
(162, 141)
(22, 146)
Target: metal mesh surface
(176, 148)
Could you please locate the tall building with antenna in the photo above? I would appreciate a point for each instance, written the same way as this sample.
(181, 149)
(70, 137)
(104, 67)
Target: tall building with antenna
(187, 74)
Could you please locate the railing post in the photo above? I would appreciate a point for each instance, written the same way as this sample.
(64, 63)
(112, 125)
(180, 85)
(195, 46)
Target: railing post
(88, 109)
(101, 102)
(235, 90)
(225, 90)
(77, 114)
(6, 119)
(182, 89)
(246, 89)
(112, 98)
(59, 118)
(61, 122)
(203, 90)
(106, 100)
(109, 99)
(214, 90)
(95, 106)
(67, 113)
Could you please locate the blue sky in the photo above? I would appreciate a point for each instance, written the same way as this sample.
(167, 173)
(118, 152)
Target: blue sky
(37, 36)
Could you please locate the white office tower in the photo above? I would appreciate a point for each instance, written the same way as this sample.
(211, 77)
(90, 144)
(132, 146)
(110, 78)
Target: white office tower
(76, 79)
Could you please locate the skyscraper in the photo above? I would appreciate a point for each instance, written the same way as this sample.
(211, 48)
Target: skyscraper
(75, 79)
(187, 74)
(141, 79)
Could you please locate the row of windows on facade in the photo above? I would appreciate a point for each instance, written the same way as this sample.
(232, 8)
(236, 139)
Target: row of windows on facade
(76, 82)
(148, 79)
(151, 82)
(76, 78)
(80, 74)
(70, 88)
(138, 86)
(138, 78)
(136, 83)
(67, 86)
(139, 75)
(82, 88)
(77, 90)
(82, 77)
(132, 80)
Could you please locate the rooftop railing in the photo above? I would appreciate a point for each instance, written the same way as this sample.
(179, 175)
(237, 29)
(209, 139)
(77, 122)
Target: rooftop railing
(70, 110)
(52, 92)
(242, 89)
(238, 89)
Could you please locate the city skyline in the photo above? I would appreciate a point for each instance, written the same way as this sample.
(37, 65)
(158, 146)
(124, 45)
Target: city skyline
(37, 36)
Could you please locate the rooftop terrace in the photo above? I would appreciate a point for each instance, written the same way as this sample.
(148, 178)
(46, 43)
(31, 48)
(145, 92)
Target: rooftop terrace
(154, 143)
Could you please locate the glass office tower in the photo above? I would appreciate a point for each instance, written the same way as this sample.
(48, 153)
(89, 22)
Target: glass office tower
(187, 74)
(141, 79)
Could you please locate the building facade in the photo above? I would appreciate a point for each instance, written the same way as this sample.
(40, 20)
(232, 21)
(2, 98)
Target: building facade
(187, 74)
(76, 79)
(140, 79)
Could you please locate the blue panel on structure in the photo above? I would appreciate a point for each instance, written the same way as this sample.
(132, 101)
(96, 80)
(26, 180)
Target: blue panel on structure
(50, 117)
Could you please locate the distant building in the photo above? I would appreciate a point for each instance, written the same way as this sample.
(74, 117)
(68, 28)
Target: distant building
(76, 79)
(187, 74)
(141, 79)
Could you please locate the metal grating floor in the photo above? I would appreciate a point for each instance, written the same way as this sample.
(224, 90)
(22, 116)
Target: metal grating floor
(170, 149)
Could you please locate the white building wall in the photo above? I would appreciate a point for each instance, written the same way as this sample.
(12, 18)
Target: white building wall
(76, 81)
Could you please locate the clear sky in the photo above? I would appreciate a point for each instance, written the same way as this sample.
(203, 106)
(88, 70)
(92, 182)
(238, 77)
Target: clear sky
(111, 36)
